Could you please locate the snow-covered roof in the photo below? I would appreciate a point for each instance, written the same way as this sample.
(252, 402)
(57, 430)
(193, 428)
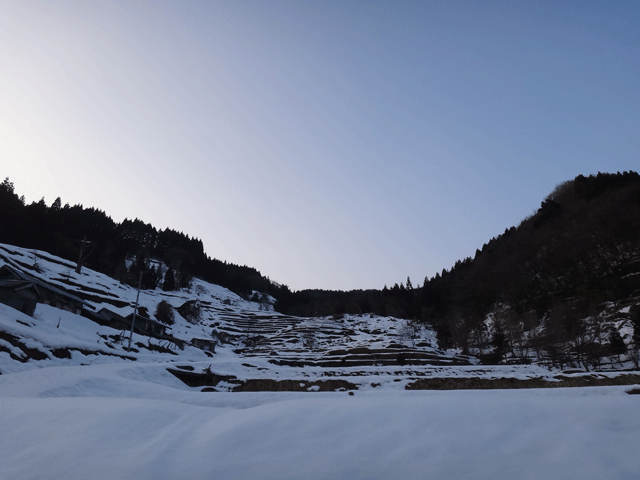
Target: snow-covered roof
(39, 283)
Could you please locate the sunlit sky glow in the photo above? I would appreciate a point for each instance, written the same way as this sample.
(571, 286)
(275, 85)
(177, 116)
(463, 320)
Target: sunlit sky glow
(334, 145)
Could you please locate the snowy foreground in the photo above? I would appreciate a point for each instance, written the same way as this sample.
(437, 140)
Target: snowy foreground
(122, 421)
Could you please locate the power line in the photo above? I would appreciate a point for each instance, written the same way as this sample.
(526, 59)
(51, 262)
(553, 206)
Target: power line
(21, 187)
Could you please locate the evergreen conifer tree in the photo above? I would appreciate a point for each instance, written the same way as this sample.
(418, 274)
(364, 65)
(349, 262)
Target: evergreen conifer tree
(169, 283)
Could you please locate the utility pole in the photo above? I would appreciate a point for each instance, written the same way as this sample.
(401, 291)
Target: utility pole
(135, 312)
(81, 258)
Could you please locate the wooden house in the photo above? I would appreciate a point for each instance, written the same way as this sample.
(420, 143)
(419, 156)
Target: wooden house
(23, 292)
(143, 325)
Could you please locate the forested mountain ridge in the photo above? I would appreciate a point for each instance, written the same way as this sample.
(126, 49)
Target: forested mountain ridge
(580, 250)
(108, 246)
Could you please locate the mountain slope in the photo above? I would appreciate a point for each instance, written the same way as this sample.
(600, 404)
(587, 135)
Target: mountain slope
(564, 284)
(253, 340)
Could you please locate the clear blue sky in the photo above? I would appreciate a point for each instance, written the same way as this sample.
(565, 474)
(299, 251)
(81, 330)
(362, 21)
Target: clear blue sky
(332, 145)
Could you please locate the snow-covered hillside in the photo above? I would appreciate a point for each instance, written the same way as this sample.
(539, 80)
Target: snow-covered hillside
(258, 349)
(255, 343)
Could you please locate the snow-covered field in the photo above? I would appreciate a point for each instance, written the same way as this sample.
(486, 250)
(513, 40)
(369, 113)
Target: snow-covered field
(88, 408)
(126, 421)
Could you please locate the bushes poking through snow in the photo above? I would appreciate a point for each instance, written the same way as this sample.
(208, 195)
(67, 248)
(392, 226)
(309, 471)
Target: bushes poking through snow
(164, 313)
(191, 311)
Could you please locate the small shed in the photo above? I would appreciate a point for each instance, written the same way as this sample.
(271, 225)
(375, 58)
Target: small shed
(151, 327)
(206, 344)
(23, 292)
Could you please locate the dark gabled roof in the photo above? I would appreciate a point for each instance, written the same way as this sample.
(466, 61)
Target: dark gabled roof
(109, 314)
(142, 317)
(36, 282)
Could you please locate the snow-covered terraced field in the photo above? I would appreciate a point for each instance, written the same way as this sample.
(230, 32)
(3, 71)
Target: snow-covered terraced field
(275, 343)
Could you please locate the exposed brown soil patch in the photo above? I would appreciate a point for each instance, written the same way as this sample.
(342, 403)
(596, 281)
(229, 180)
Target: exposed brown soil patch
(507, 383)
(194, 379)
(27, 353)
(268, 385)
(210, 379)
(36, 354)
